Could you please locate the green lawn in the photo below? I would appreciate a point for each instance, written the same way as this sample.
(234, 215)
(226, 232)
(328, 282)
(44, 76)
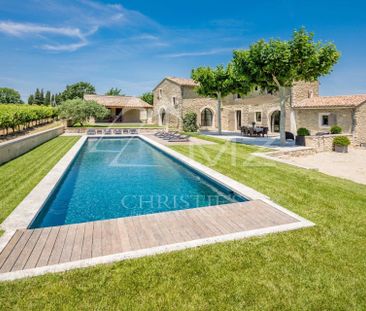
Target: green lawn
(318, 268)
(20, 176)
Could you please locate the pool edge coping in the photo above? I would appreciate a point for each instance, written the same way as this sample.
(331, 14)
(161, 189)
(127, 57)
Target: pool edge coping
(35, 200)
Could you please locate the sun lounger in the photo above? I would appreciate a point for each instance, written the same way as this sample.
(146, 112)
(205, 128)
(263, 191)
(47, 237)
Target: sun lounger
(133, 131)
(179, 138)
(117, 131)
(90, 132)
(107, 132)
(125, 131)
(99, 132)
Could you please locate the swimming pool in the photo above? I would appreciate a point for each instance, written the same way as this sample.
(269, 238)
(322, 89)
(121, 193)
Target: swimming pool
(121, 177)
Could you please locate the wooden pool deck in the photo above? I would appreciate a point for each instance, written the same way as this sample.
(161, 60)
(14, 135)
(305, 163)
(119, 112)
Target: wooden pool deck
(33, 248)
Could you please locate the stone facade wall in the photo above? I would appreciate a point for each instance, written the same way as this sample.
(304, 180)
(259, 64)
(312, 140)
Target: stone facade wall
(360, 125)
(11, 149)
(164, 100)
(187, 100)
(310, 119)
(303, 90)
(324, 143)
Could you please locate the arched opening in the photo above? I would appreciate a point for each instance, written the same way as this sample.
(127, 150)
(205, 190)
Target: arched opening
(162, 117)
(275, 121)
(132, 116)
(206, 117)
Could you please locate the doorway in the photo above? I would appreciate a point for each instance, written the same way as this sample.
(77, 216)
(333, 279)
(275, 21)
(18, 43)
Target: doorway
(275, 121)
(238, 119)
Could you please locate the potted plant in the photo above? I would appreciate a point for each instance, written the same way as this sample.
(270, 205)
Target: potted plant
(300, 138)
(336, 129)
(341, 144)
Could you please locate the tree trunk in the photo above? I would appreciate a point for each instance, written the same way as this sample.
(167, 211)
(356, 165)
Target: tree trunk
(219, 126)
(283, 98)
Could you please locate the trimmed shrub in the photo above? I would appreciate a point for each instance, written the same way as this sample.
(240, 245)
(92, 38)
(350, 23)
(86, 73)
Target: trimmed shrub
(302, 131)
(336, 129)
(341, 141)
(190, 122)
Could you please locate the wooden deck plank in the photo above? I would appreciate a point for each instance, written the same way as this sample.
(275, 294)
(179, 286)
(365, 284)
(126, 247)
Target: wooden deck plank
(123, 233)
(47, 246)
(58, 246)
(97, 239)
(86, 251)
(10, 246)
(37, 250)
(78, 242)
(69, 244)
(16, 251)
(27, 250)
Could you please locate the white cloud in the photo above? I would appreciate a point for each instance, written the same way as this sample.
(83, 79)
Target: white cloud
(199, 53)
(24, 29)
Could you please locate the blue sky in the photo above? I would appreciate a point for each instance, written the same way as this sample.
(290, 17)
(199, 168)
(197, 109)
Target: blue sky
(133, 44)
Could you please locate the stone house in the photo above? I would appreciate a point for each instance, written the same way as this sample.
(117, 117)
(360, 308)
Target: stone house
(124, 109)
(174, 97)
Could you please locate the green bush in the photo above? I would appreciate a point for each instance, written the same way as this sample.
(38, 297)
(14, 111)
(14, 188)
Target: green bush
(190, 122)
(336, 129)
(341, 141)
(302, 131)
(79, 111)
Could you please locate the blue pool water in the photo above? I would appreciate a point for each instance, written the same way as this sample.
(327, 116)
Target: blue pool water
(120, 177)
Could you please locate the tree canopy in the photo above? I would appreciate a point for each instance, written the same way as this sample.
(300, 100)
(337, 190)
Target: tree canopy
(79, 111)
(114, 92)
(278, 65)
(77, 90)
(148, 97)
(9, 96)
(219, 82)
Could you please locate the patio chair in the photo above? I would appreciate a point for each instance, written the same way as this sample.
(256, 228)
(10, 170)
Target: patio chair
(117, 132)
(179, 138)
(265, 131)
(90, 132)
(107, 132)
(244, 131)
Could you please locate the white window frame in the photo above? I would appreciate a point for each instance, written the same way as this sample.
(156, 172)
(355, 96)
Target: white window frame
(255, 116)
(321, 115)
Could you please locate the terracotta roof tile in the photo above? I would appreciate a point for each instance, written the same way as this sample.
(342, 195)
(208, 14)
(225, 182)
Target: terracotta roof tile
(118, 101)
(332, 101)
(183, 81)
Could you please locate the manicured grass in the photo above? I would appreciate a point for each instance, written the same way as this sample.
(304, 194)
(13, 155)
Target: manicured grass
(318, 268)
(19, 176)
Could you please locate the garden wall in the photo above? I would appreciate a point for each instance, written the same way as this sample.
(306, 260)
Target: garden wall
(324, 143)
(18, 146)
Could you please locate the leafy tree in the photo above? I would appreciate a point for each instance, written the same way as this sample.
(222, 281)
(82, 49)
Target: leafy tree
(278, 65)
(114, 92)
(79, 111)
(148, 97)
(219, 82)
(77, 90)
(47, 99)
(190, 122)
(38, 100)
(31, 99)
(9, 96)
